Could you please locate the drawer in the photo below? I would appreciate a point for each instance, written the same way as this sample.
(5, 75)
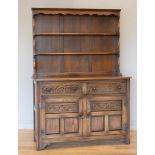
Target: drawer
(61, 88)
(107, 87)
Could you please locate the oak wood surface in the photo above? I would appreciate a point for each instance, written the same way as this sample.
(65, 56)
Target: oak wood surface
(84, 53)
(79, 93)
(89, 32)
(57, 124)
(75, 11)
(80, 78)
(76, 34)
(28, 147)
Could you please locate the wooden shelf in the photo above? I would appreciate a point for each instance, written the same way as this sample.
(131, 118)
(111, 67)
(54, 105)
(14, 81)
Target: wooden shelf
(75, 34)
(85, 53)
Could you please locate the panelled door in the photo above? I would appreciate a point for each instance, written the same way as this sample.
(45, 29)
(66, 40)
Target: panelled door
(105, 115)
(60, 117)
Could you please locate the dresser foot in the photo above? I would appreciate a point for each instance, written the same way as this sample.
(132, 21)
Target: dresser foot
(127, 140)
(42, 146)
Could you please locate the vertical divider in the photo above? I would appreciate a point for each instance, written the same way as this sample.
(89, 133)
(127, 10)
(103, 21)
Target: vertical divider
(118, 61)
(34, 111)
(84, 110)
(106, 123)
(42, 116)
(80, 119)
(88, 117)
(62, 126)
(90, 44)
(61, 30)
(34, 45)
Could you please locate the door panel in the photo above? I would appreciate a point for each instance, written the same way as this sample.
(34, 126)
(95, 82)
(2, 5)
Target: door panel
(105, 115)
(115, 122)
(97, 123)
(52, 126)
(71, 125)
(60, 117)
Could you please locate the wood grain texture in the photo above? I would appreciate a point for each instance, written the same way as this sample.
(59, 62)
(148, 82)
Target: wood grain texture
(71, 125)
(81, 123)
(79, 93)
(82, 78)
(76, 11)
(26, 146)
(52, 126)
(115, 122)
(97, 123)
(75, 31)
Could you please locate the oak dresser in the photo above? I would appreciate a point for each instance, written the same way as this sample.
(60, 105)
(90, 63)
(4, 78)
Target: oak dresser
(79, 92)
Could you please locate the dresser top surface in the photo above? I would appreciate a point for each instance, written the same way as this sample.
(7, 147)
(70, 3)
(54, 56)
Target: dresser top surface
(82, 78)
(84, 9)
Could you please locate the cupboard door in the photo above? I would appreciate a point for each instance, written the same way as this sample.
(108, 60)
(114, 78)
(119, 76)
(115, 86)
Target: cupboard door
(106, 115)
(60, 117)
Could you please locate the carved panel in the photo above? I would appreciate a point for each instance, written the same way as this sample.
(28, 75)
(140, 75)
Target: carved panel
(106, 105)
(61, 107)
(61, 89)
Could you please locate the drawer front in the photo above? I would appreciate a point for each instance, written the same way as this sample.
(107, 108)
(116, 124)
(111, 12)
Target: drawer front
(60, 88)
(107, 87)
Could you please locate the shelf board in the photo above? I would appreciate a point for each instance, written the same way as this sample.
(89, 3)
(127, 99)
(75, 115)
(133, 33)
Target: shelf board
(75, 34)
(84, 53)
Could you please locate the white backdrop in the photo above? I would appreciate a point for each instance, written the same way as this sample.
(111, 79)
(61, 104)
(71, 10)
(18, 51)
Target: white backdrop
(128, 54)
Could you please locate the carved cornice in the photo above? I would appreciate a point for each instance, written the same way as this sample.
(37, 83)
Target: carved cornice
(77, 12)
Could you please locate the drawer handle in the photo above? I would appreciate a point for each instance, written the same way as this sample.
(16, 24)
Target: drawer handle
(94, 89)
(118, 87)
